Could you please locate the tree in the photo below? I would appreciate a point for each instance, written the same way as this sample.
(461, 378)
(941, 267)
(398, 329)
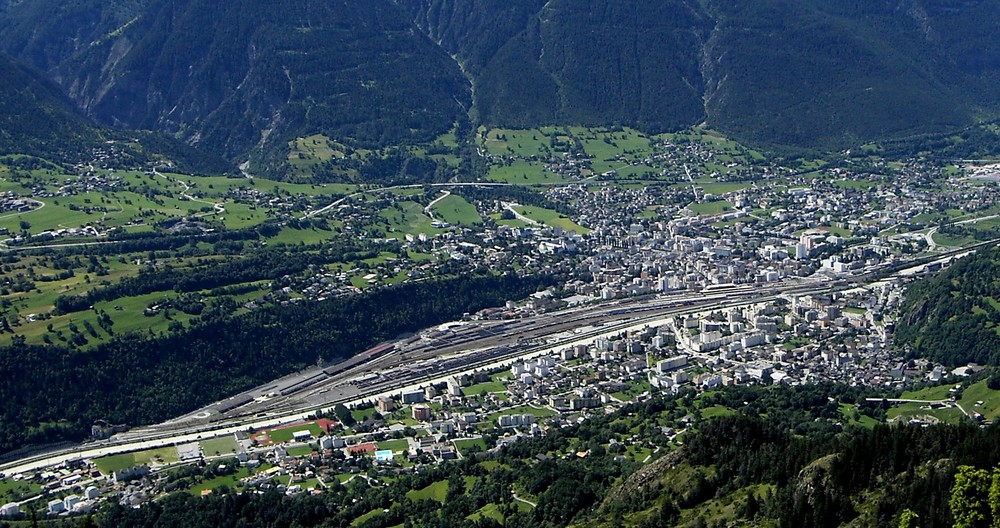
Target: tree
(344, 415)
(909, 519)
(970, 497)
(994, 498)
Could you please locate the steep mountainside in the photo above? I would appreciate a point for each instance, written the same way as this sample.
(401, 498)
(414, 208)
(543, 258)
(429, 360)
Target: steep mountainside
(37, 118)
(243, 78)
(44, 33)
(807, 73)
(590, 62)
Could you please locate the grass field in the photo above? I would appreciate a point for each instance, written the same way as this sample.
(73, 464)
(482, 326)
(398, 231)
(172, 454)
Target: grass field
(482, 388)
(521, 143)
(990, 408)
(950, 414)
(847, 410)
(285, 435)
(219, 446)
(523, 173)
(491, 465)
(464, 446)
(300, 451)
(490, 511)
(230, 481)
(110, 464)
(457, 211)
(396, 446)
(139, 200)
(604, 144)
(858, 185)
(635, 390)
(152, 199)
(315, 148)
(907, 411)
(361, 415)
(620, 150)
(408, 217)
(364, 518)
(716, 411)
(942, 239)
(126, 312)
(496, 217)
(638, 454)
(312, 235)
(436, 491)
(551, 218)
(941, 392)
(711, 208)
(11, 491)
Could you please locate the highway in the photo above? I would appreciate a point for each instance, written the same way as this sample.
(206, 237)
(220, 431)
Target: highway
(438, 353)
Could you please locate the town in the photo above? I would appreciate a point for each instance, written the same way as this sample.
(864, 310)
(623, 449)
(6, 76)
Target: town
(708, 224)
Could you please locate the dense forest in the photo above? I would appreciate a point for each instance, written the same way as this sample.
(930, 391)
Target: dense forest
(953, 317)
(54, 393)
(869, 477)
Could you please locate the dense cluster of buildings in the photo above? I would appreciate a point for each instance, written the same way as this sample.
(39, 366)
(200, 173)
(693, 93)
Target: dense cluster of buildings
(633, 241)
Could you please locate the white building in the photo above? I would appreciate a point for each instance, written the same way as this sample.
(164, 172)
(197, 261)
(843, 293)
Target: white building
(71, 501)
(516, 420)
(670, 364)
(411, 397)
(10, 510)
(331, 442)
(454, 387)
(56, 506)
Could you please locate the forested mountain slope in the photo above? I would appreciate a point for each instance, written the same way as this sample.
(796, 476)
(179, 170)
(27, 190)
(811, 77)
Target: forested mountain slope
(805, 73)
(243, 78)
(38, 118)
(953, 317)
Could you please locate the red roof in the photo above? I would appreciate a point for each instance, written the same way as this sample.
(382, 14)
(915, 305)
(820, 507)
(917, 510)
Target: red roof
(370, 447)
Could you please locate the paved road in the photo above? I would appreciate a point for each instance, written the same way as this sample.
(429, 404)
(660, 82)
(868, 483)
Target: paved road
(218, 206)
(510, 207)
(526, 501)
(429, 210)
